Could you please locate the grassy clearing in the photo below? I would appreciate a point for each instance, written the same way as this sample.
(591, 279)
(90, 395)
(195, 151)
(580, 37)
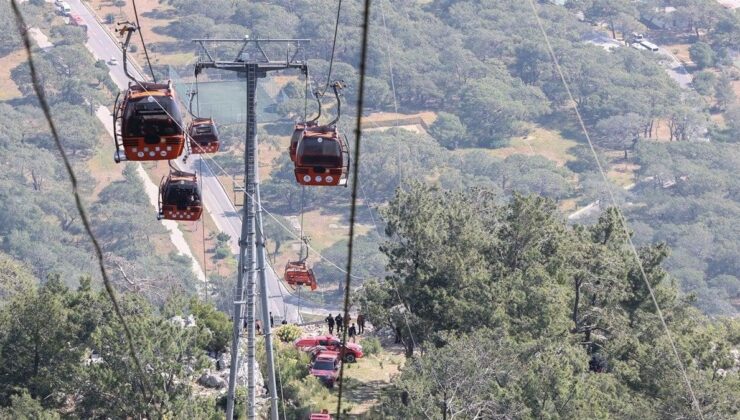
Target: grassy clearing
(176, 60)
(681, 51)
(102, 167)
(540, 141)
(378, 117)
(620, 172)
(8, 88)
(364, 381)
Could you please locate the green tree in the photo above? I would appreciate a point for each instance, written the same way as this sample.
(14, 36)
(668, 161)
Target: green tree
(702, 55)
(24, 407)
(724, 92)
(40, 336)
(167, 351)
(705, 82)
(620, 132)
(217, 327)
(449, 131)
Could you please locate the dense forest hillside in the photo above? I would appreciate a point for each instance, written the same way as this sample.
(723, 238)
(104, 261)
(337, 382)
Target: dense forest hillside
(483, 69)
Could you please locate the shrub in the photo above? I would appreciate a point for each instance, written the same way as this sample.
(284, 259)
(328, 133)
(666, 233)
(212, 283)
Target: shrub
(288, 333)
(371, 345)
(222, 252)
(215, 321)
(222, 237)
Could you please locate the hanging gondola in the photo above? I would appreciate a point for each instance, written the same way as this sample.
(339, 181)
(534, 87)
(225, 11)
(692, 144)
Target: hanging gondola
(179, 197)
(203, 135)
(203, 132)
(322, 153)
(147, 120)
(297, 273)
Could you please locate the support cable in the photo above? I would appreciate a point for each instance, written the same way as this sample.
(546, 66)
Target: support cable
(395, 286)
(622, 219)
(355, 184)
(393, 89)
(333, 49)
(143, 44)
(203, 234)
(38, 89)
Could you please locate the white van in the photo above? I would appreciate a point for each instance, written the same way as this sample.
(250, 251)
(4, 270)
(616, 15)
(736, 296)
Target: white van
(66, 10)
(649, 45)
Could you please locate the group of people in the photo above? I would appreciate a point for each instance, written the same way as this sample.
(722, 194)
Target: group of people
(341, 323)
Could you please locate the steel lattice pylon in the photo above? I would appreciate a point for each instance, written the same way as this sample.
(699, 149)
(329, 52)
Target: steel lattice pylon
(252, 59)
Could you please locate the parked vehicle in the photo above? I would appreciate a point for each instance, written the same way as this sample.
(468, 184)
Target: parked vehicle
(351, 353)
(326, 369)
(649, 45)
(65, 8)
(323, 415)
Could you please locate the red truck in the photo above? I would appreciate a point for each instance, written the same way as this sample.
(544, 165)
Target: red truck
(351, 352)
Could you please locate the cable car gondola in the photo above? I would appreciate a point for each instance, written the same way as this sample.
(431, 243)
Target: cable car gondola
(203, 135)
(322, 153)
(297, 273)
(147, 121)
(179, 197)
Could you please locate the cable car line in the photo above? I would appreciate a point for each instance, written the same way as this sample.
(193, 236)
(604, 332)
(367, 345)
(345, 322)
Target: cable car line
(395, 286)
(355, 183)
(141, 35)
(333, 48)
(622, 219)
(393, 89)
(38, 89)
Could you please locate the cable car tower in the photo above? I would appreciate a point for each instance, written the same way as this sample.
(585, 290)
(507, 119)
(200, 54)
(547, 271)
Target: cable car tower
(252, 59)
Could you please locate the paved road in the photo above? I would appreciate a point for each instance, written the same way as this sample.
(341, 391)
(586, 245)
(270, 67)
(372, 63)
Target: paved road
(676, 69)
(226, 217)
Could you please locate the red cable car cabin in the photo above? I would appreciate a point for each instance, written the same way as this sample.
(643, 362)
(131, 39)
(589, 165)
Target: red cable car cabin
(298, 274)
(322, 158)
(179, 197)
(203, 136)
(149, 123)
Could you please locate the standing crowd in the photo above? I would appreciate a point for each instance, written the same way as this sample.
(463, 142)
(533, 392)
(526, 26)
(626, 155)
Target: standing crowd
(340, 323)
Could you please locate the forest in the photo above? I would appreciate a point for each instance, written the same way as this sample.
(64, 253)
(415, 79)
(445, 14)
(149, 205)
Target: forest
(466, 248)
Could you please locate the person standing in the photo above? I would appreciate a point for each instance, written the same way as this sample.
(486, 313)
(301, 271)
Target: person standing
(360, 324)
(338, 319)
(352, 332)
(272, 321)
(330, 322)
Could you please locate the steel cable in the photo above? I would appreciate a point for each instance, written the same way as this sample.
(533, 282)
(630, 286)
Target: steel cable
(622, 219)
(38, 89)
(355, 184)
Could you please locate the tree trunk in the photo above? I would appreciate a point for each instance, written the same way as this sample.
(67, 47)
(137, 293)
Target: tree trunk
(611, 27)
(575, 304)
